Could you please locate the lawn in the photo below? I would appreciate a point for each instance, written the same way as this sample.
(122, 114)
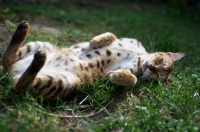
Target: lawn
(147, 106)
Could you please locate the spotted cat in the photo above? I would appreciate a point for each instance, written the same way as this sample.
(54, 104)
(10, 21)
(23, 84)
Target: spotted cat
(54, 72)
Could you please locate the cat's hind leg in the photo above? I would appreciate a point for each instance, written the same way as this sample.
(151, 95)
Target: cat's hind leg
(17, 40)
(31, 72)
(52, 84)
(48, 83)
(102, 40)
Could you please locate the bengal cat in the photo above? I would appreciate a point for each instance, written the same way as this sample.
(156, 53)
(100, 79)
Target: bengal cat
(54, 72)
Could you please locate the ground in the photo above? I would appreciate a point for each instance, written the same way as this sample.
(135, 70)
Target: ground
(5, 36)
(147, 106)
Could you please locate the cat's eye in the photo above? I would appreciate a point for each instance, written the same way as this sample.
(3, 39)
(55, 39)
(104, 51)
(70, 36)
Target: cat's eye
(160, 62)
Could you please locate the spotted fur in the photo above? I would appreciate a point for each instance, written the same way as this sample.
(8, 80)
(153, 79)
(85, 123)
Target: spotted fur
(56, 72)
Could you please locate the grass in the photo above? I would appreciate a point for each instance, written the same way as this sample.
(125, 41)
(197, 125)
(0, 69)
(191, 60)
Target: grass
(144, 107)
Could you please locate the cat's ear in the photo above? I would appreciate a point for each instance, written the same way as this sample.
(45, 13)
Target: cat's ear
(175, 56)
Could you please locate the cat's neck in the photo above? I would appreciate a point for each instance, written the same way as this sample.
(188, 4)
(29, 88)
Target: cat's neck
(140, 64)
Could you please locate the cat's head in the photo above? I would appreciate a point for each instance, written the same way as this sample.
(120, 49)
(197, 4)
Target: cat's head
(158, 66)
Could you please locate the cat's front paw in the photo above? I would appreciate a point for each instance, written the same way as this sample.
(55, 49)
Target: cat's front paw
(123, 78)
(102, 40)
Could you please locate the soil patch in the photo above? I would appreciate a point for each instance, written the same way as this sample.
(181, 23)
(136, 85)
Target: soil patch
(41, 24)
(5, 37)
(45, 26)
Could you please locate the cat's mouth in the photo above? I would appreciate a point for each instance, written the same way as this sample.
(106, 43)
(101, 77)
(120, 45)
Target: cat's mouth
(148, 66)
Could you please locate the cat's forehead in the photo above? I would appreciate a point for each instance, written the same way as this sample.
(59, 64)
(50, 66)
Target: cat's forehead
(166, 59)
(160, 54)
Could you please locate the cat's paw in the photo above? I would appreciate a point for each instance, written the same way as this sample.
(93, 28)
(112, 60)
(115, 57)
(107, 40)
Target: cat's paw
(40, 56)
(102, 40)
(123, 78)
(22, 29)
(38, 61)
(20, 33)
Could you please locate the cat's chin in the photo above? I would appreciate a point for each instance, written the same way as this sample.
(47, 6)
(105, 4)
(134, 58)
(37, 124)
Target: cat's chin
(144, 67)
(145, 71)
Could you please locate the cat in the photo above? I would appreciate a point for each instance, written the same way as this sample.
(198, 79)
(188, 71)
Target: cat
(54, 72)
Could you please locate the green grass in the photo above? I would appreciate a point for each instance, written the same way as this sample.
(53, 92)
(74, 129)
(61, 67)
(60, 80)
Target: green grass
(144, 107)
